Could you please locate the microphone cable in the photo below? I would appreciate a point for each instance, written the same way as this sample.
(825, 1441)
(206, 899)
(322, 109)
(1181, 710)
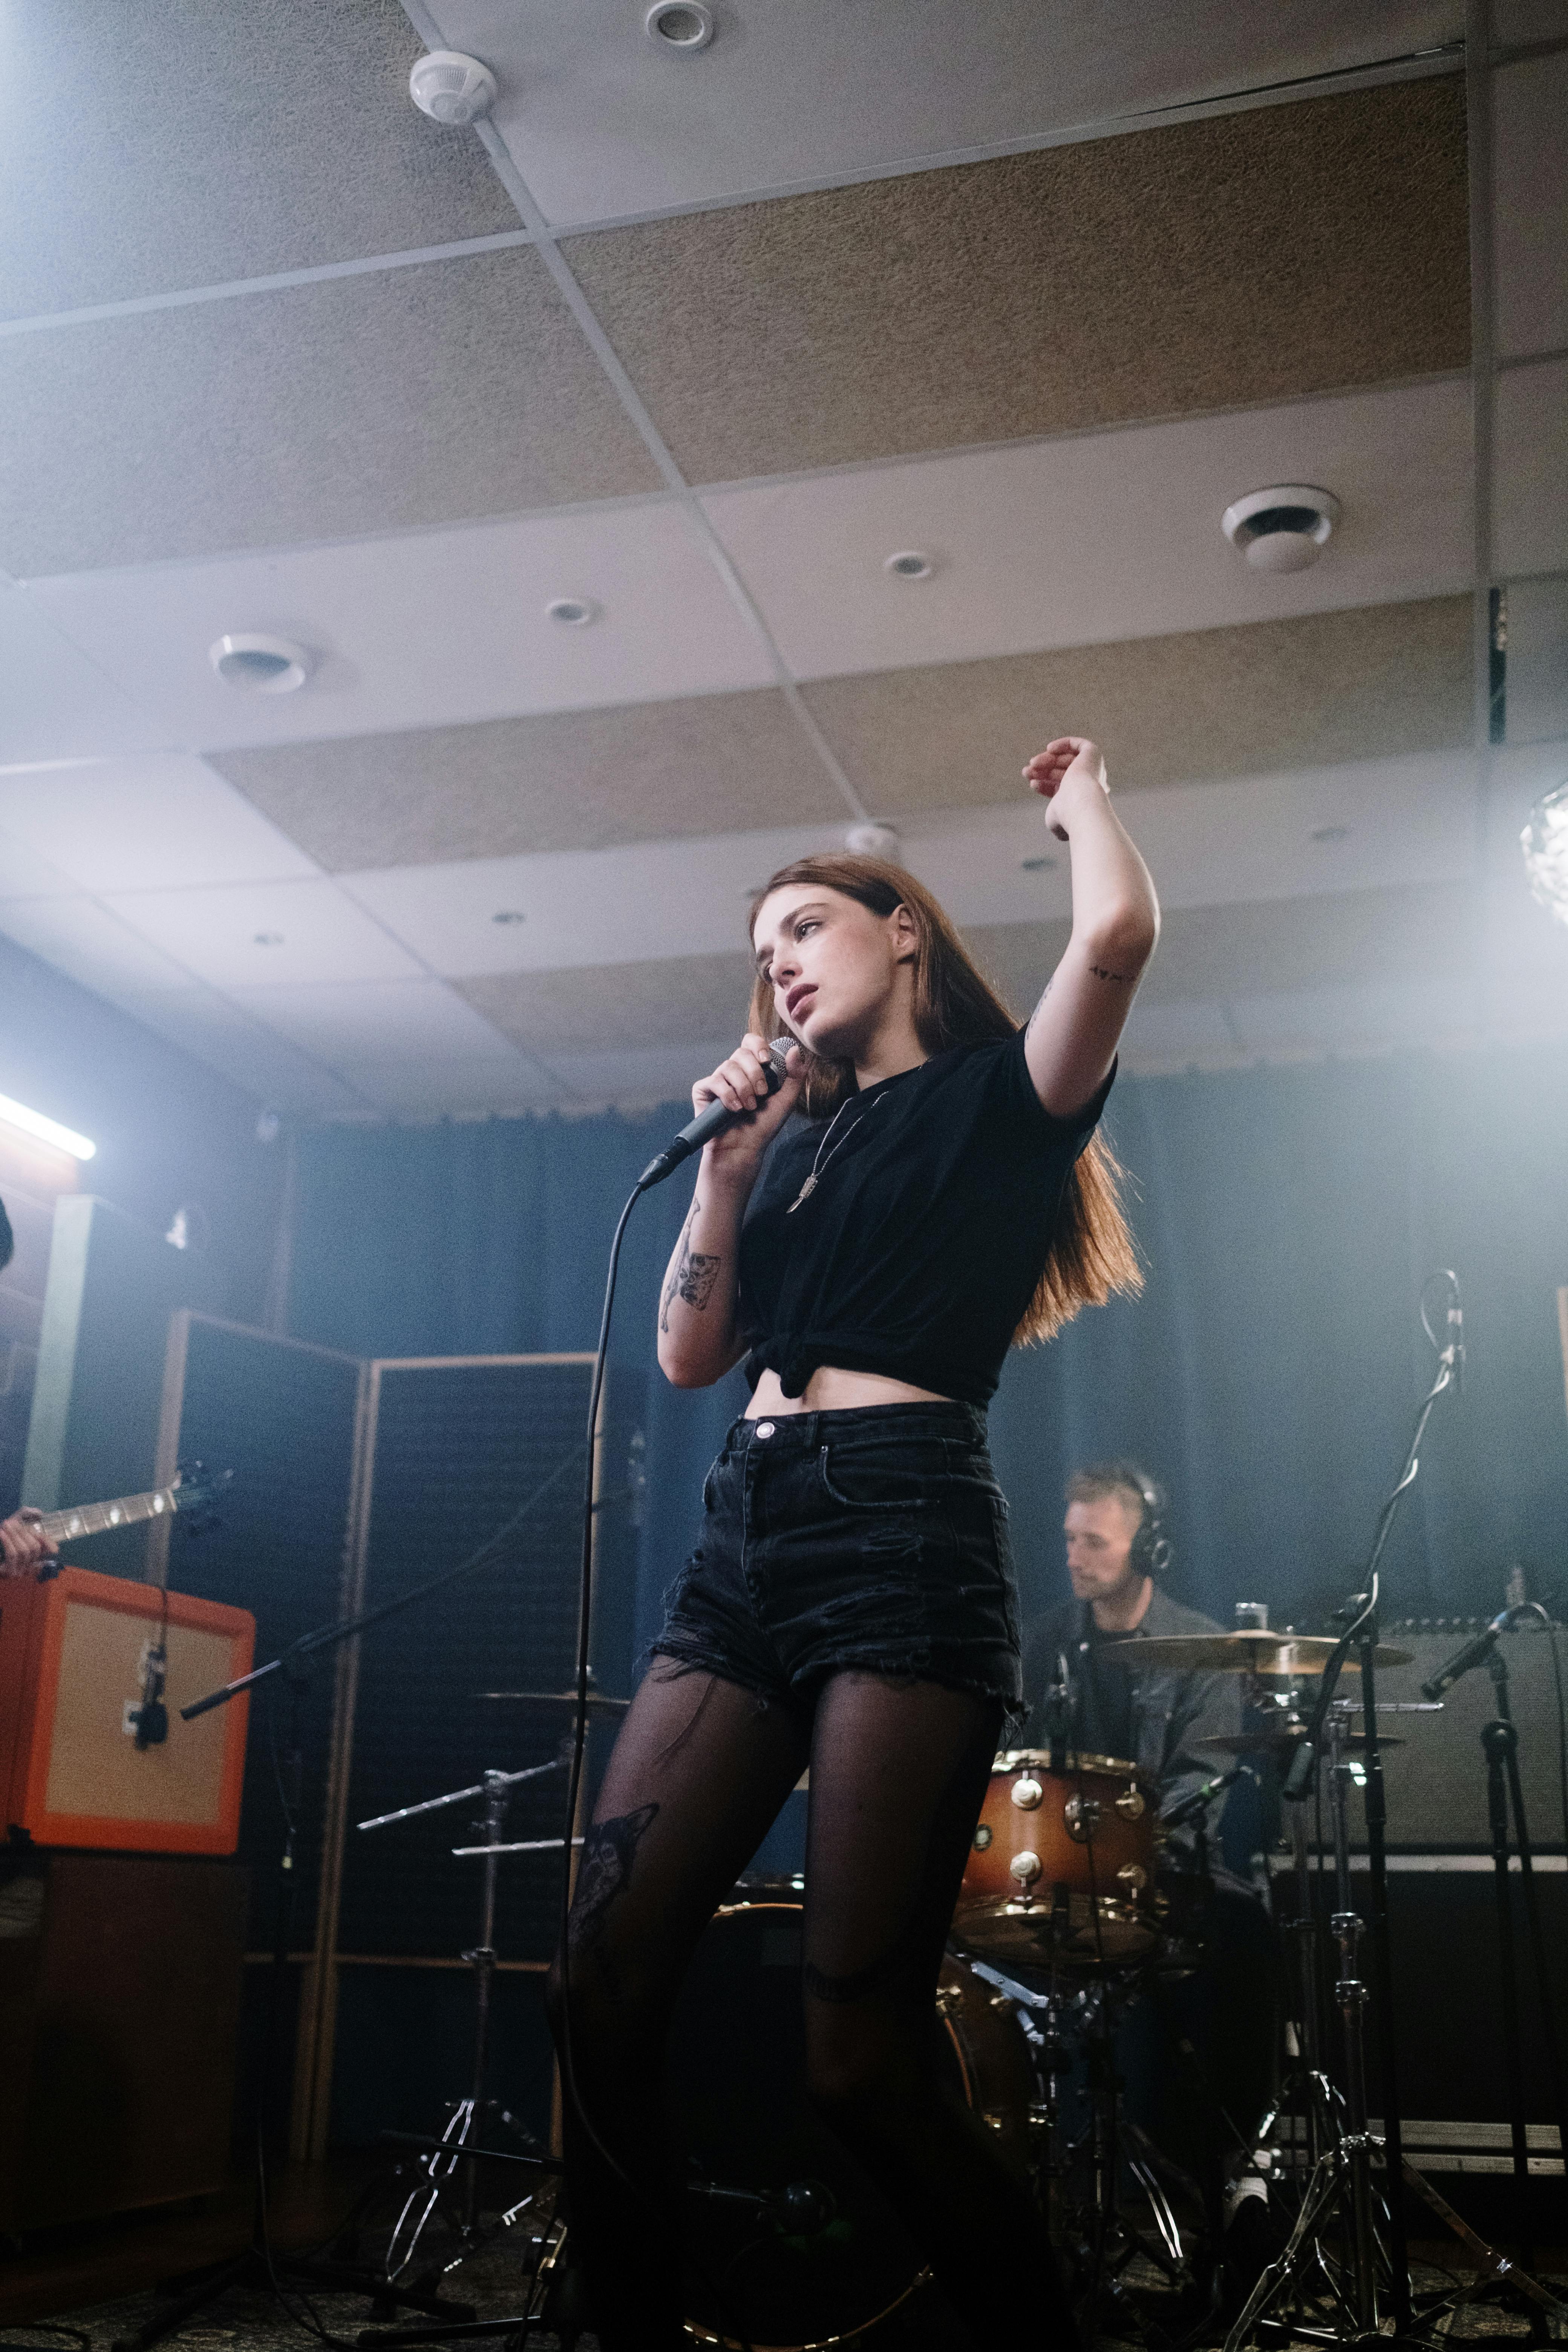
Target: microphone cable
(570, 2091)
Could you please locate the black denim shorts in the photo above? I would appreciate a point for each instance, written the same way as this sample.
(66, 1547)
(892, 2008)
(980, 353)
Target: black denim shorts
(876, 1539)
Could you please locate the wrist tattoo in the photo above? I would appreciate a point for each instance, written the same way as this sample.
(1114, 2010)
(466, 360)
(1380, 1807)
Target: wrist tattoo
(1122, 979)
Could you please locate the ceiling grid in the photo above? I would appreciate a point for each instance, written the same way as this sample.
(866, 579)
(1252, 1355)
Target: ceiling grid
(699, 344)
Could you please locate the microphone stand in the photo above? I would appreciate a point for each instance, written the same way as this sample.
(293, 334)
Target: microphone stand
(1362, 1633)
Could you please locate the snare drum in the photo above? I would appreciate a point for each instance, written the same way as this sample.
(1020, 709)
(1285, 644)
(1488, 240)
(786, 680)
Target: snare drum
(1062, 1865)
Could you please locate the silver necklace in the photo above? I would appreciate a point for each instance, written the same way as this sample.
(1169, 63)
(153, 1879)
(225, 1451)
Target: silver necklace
(819, 1163)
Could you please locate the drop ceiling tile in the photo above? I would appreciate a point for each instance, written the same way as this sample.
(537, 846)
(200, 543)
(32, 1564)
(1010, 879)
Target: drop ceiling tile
(635, 1076)
(159, 146)
(374, 1020)
(1529, 514)
(583, 906)
(676, 1003)
(603, 121)
(1536, 692)
(425, 1086)
(1104, 536)
(1530, 204)
(1321, 689)
(434, 628)
(1371, 824)
(1163, 1036)
(160, 820)
(577, 780)
(1276, 945)
(262, 934)
(381, 402)
(1380, 1016)
(25, 875)
(89, 943)
(251, 1057)
(55, 704)
(1246, 259)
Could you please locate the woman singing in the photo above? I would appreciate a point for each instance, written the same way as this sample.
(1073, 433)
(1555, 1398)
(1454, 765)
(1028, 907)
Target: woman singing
(934, 1192)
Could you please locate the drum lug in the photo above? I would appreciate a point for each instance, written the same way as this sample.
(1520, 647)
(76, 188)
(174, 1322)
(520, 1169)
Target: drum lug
(949, 2001)
(1129, 1805)
(1027, 1793)
(1025, 1867)
(1081, 1815)
(1133, 1876)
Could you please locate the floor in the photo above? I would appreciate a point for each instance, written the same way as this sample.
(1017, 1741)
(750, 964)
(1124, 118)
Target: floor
(88, 2287)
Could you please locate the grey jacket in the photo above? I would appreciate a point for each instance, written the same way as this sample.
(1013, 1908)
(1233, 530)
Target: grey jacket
(1170, 1712)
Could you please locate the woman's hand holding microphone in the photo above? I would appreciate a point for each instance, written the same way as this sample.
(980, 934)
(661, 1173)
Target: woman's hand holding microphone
(741, 1084)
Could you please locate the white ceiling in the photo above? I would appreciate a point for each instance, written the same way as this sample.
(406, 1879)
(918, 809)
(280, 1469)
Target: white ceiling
(128, 861)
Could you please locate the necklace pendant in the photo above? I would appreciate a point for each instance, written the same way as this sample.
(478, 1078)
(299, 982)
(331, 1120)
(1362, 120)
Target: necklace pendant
(804, 1193)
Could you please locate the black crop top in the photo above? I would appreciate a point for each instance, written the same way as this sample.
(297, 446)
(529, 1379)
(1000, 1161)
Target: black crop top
(922, 1242)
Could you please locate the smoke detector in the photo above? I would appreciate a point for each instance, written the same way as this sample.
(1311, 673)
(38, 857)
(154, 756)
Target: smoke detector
(260, 665)
(874, 840)
(451, 87)
(678, 24)
(1283, 528)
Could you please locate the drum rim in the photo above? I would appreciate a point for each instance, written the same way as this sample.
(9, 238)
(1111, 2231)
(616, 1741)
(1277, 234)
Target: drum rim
(1013, 1760)
(794, 1900)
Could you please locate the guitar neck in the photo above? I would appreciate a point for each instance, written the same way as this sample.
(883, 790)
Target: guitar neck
(95, 1518)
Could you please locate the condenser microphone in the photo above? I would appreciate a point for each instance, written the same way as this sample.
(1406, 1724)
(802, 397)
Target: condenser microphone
(713, 1120)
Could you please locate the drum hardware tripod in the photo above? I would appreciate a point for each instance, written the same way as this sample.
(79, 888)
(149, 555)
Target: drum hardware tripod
(467, 2115)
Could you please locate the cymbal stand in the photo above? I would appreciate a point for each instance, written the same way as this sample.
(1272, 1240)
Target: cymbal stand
(1307, 2087)
(1340, 2188)
(463, 2123)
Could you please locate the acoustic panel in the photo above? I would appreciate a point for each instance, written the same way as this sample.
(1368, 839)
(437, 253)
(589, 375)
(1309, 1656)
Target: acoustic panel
(458, 1449)
(281, 1416)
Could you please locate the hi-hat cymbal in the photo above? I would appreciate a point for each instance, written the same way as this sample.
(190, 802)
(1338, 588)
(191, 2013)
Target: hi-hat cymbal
(1277, 1742)
(596, 1699)
(1239, 1653)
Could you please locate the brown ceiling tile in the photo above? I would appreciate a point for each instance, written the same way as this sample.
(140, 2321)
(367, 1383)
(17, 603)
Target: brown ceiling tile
(1259, 947)
(168, 146)
(1246, 259)
(569, 780)
(1330, 687)
(375, 402)
(693, 1000)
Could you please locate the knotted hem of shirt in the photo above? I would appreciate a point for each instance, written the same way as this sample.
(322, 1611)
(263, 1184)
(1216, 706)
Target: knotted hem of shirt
(795, 1358)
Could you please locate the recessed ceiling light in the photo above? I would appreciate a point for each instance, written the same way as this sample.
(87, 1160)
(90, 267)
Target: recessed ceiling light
(269, 939)
(910, 563)
(260, 665)
(1331, 832)
(874, 840)
(1038, 865)
(452, 87)
(573, 612)
(508, 915)
(1281, 530)
(680, 25)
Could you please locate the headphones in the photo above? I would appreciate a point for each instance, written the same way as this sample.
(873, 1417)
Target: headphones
(1151, 1551)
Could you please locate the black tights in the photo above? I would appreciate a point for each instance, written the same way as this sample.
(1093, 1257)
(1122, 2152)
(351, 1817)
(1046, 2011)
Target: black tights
(700, 1771)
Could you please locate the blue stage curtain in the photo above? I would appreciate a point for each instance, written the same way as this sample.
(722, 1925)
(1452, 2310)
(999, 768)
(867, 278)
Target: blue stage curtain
(1268, 1375)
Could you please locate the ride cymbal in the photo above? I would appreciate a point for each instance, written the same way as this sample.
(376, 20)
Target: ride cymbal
(1239, 1653)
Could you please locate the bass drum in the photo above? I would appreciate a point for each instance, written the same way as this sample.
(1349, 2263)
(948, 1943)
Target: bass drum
(824, 2257)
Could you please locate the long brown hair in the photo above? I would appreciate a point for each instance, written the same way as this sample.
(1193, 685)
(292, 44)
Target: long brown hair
(1093, 1254)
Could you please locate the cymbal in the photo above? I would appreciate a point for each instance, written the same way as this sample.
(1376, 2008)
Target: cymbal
(1239, 1653)
(597, 1701)
(1267, 1743)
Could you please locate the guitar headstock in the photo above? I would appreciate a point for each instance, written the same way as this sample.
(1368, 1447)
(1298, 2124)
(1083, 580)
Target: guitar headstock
(197, 1492)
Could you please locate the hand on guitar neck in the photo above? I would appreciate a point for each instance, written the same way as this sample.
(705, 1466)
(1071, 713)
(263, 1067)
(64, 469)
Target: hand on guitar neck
(24, 1545)
(29, 1538)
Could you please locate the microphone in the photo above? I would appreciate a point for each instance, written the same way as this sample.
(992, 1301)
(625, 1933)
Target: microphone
(1186, 1808)
(712, 1121)
(1472, 1655)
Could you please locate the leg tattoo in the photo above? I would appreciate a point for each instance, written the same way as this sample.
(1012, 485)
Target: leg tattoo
(609, 1853)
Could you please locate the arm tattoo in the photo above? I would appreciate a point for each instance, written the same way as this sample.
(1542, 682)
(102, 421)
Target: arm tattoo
(1041, 1007)
(1123, 979)
(609, 1850)
(691, 1276)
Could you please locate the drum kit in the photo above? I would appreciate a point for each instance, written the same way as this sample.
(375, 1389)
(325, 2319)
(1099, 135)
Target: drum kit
(1065, 1917)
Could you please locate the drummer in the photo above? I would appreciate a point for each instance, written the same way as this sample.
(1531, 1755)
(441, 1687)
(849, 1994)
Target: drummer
(1117, 1552)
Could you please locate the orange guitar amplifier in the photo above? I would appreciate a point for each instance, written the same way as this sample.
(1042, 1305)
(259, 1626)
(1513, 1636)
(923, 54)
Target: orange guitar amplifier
(73, 1650)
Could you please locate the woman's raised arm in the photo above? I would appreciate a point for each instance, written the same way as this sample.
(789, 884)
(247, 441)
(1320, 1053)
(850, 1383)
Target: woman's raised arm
(1075, 1028)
